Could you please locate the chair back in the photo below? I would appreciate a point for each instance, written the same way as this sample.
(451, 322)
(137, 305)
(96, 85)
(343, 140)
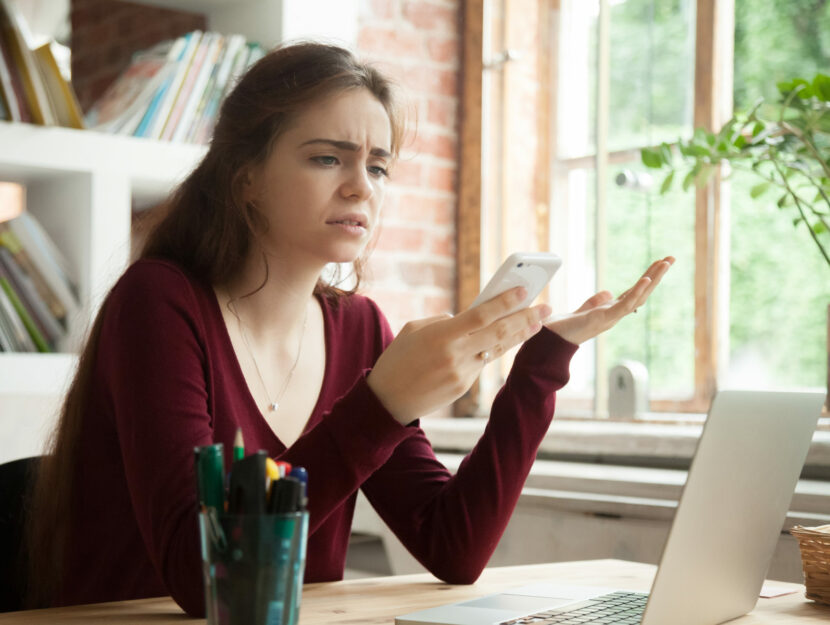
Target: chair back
(16, 478)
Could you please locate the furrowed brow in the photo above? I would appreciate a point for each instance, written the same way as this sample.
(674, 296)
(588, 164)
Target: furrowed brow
(348, 146)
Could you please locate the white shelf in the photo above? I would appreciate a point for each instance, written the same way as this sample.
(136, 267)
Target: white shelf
(35, 374)
(31, 153)
(272, 21)
(82, 187)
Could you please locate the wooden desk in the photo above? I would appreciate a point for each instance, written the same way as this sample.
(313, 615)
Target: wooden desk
(379, 600)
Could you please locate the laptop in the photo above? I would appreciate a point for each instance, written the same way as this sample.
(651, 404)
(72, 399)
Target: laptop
(725, 529)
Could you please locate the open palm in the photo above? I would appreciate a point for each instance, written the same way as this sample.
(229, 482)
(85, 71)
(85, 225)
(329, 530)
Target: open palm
(602, 311)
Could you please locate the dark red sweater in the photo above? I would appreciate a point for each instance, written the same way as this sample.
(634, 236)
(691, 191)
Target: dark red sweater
(167, 380)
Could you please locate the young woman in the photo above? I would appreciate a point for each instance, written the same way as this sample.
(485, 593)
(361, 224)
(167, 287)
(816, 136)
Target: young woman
(226, 322)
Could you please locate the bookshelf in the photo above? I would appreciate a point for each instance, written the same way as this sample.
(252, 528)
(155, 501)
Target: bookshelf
(82, 187)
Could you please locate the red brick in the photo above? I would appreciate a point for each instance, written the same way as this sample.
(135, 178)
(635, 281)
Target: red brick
(430, 81)
(391, 43)
(442, 146)
(419, 207)
(443, 245)
(441, 177)
(442, 112)
(401, 239)
(406, 172)
(384, 9)
(426, 274)
(431, 17)
(444, 49)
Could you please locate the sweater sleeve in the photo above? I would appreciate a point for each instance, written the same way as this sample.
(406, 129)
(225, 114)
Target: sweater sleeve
(452, 523)
(154, 361)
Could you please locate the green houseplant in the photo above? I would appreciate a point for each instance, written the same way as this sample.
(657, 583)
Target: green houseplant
(784, 144)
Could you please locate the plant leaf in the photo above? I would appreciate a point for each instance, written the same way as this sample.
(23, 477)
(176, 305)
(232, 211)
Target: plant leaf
(689, 179)
(666, 183)
(821, 87)
(759, 189)
(651, 158)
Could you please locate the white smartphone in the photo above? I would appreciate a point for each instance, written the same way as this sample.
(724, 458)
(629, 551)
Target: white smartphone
(532, 270)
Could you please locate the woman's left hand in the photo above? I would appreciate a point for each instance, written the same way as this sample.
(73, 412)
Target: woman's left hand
(602, 311)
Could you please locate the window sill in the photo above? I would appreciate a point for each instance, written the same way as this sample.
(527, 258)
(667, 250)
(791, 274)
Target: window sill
(652, 444)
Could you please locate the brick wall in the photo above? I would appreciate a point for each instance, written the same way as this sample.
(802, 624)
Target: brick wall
(416, 42)
(412, 269)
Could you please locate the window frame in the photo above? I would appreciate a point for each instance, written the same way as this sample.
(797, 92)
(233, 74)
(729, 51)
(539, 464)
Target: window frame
(713, 78)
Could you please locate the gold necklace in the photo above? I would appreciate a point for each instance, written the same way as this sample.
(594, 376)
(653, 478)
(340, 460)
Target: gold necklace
(273, 405)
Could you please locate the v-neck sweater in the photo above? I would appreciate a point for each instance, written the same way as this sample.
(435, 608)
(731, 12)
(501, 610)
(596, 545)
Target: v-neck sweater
(166, 379)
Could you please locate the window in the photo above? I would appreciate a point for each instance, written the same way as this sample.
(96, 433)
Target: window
(572, 90)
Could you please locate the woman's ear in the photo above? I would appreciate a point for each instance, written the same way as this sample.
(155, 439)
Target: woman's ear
(248, 184)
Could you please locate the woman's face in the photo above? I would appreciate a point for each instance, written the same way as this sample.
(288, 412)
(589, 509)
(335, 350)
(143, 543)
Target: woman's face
(322, 186)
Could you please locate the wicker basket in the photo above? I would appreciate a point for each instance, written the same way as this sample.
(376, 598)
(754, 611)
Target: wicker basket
(815, 558)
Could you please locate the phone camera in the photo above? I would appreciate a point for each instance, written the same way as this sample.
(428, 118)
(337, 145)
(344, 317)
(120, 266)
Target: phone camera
(520, 265)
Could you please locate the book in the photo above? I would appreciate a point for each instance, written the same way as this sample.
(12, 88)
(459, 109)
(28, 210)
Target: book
(214, 44)
(17, 334)
(61, 94)
(237, 67)
(8, 98)
(14, 30)
(46, 324)
(203, 125)
(165, 107)
(30, 326)
(132, 91)
(7, 342)
(9, 240)
(174, 55)
(12, 83)
(188, 85)
(48, 260)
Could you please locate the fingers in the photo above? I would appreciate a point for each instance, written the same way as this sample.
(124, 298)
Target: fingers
(505, 333)
(654, 273)
(474, 319)
(603, 297)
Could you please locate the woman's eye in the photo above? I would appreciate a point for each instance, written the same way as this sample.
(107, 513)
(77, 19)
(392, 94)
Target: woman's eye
(325, 160)
(377, 171)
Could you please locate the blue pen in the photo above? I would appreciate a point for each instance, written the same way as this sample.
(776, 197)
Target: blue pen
(301, 474)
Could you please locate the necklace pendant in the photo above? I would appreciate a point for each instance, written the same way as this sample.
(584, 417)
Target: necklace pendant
(272, 407)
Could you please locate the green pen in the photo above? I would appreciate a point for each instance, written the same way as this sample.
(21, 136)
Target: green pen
(210, 476)
(238, 446)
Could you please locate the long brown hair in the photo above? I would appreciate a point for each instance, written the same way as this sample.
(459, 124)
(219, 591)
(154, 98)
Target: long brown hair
(208, 231)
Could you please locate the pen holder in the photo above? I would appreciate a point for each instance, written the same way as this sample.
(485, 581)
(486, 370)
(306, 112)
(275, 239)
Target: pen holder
(253, 567)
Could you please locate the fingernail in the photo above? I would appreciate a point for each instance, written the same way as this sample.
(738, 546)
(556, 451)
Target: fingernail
(521, 293)
(545, 311)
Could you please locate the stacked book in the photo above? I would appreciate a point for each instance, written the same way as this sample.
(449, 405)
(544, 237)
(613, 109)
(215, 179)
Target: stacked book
(173, 91)
(32, 88)
(38, 296)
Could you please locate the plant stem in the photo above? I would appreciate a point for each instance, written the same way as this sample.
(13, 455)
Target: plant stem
(801, 211)
(797, 133)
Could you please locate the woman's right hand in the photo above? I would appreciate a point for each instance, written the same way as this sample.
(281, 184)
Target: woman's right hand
(432, 362)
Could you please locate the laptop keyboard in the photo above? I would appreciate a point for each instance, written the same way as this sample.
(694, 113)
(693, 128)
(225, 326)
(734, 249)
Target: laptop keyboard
(617, 608)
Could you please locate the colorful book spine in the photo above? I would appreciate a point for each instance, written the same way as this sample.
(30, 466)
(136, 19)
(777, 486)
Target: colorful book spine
(22, 313)
(172, 93)
(49, 327)
(213, 45)
(13, 29)
(174, 56)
